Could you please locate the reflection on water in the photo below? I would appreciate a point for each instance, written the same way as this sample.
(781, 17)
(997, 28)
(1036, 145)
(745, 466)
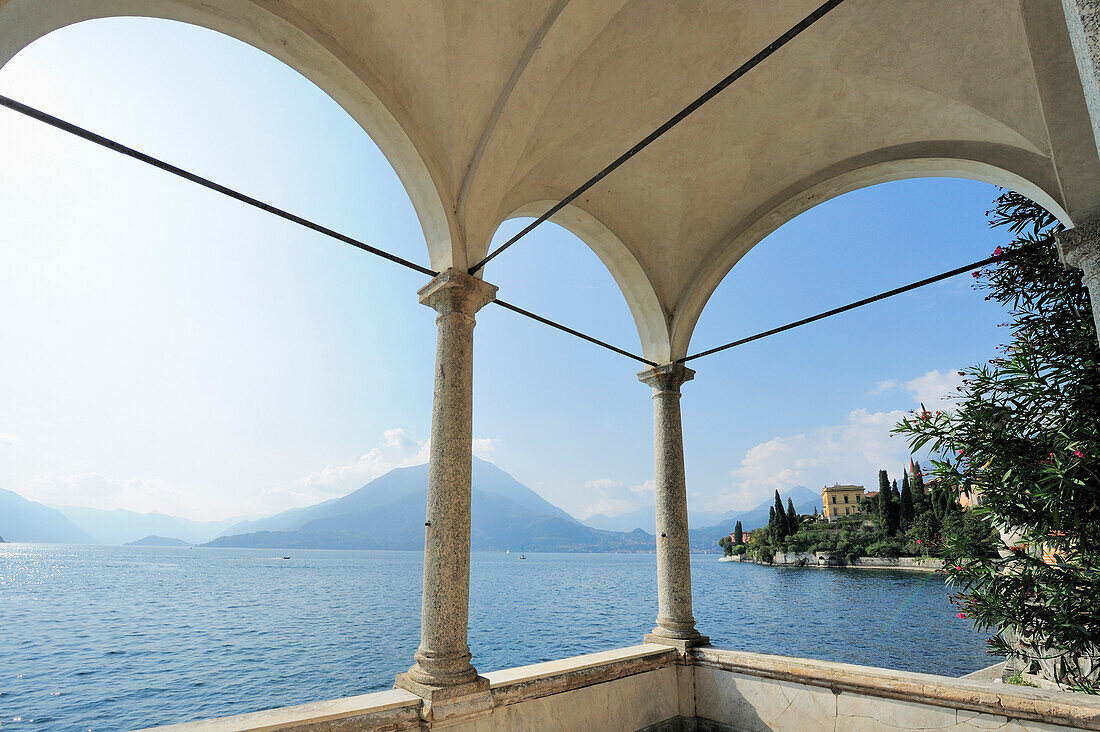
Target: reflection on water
(109, 638)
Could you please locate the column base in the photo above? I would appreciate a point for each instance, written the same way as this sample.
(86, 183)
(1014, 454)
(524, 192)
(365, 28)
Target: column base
(445, 703)
(681, 644)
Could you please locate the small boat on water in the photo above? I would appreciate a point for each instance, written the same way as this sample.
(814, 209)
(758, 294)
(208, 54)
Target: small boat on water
(522, 556)
(286, 557)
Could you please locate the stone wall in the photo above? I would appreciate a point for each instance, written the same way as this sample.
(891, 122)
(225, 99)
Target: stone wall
(655, 688)
(754, 692)
(830, 559)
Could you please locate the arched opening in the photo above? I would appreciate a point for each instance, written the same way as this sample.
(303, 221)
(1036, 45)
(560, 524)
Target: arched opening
(309, 54)
(170, 350)
(814, 406)
(992, 164)
(576, 426)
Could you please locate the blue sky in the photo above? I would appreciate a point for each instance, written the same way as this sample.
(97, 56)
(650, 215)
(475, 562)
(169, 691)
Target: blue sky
(169, 349)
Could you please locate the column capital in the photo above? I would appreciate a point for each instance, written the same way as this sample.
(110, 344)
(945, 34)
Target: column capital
(669, 377)
(454, 291)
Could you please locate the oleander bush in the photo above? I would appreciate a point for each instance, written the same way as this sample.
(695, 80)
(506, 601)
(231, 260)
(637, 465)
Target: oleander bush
(1024, 441)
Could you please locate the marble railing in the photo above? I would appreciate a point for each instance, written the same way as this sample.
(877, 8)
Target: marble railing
(656, 688)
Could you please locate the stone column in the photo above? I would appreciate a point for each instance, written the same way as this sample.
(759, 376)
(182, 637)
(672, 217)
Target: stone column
(1083, 24)
(443, 668)
(675, 623)
(1079, 248)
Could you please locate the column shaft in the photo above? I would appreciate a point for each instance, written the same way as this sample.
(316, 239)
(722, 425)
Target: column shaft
(1079, 248)
(443, 659)
(675, 622)
(1083, 24)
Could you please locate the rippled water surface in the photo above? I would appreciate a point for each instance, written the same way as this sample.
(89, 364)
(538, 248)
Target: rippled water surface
(115, 638)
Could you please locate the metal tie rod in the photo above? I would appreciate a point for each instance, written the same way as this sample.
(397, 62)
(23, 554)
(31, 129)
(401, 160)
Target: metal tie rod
(205, 183)
(865, 301)
(82, 133)
(577, 333)
(679, 117)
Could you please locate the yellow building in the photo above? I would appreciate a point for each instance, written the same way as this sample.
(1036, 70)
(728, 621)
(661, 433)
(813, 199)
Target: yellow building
(841, 500)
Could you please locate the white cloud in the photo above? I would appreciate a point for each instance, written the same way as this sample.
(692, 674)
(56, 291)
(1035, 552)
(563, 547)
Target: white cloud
(9, 445)
(932, 388)
(398, 450)
(397, 438)
(612, 498)
(884, 386)
(144, 495)
(852, 452)
(485, 447)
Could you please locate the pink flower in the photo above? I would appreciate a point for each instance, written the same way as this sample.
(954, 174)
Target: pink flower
(918, 541)
(998, 252)
(1078, 454)
(976, 275)
(962, 615)
(958, 567)
(960, 452)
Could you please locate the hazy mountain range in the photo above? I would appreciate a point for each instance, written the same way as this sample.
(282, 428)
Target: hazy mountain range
(645, 518)
(23, 520)
(126, 527)
(706, 537)
(387, 513)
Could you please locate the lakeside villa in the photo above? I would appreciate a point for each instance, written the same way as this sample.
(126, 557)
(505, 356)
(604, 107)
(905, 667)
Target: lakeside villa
(840, 500)
(491, 110)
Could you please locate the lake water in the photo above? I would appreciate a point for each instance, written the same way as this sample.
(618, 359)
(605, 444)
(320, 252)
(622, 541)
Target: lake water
(115, 638)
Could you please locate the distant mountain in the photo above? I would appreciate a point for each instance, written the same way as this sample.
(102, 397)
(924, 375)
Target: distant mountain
(706, 537)
(125, 527)
(153, 540)
(2, 540)
(646, 519)
(388, 513)
(396, 484)
(23, 520)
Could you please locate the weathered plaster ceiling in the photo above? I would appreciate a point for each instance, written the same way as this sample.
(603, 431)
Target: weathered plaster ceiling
(493, 109)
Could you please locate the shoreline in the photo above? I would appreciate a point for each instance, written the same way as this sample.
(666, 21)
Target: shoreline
(903, 563)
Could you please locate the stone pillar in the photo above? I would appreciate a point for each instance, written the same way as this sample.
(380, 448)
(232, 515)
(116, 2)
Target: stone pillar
(1079, 248)
(675, 623)
(443, 668)
(1083, 24)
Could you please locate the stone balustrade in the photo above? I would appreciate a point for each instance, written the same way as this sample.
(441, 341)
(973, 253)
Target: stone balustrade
(655, 687)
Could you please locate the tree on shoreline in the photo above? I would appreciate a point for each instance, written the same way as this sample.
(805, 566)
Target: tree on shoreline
(886, 506)
(906, 503)
(1024, 443)
(738, 534)
(779, 525)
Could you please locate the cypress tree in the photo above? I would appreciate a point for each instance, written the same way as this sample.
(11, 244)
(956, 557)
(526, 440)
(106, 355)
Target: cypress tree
(893, 518)
(906, 502)
(883, 507)
(792, 517)
(920, 494)
(738, 534)
(771, 523)
(781, 524)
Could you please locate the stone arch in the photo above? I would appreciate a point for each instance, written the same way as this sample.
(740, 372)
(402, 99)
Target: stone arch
(279, 32)
(636, 288)
(997, 164)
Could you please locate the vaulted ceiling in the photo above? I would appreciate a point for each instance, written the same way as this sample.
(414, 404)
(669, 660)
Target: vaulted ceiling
(489, 110)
